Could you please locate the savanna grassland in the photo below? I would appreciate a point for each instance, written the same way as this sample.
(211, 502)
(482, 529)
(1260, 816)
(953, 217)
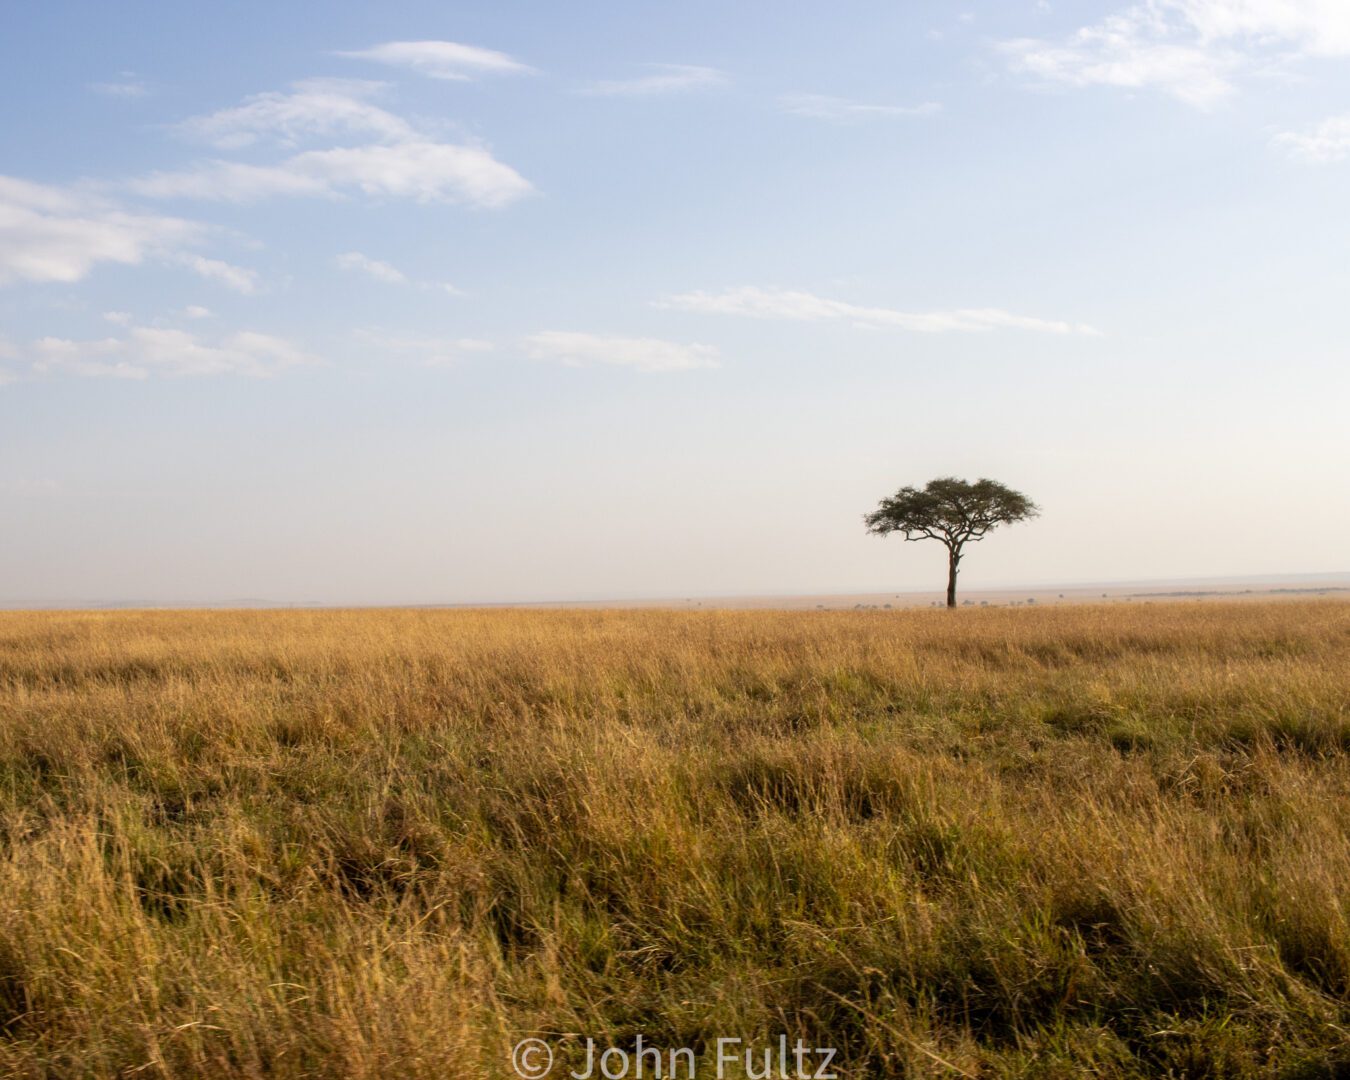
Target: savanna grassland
(1078, 841)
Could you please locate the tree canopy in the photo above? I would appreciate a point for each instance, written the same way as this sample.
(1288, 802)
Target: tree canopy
(952, 511)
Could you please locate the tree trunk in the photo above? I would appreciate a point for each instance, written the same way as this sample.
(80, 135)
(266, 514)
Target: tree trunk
(953, 559)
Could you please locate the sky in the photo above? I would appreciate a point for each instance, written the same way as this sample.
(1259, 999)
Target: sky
(428, 302)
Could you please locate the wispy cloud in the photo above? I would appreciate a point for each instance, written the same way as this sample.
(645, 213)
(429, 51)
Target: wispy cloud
(427, 351)
(419, 170)
(842, 111)
(57, 235)
(156, 351)
(398, 162)
(1322, 143)
(1125, 51)
(1192, 49)
(311, 108)
(380, 271)
(787, 304)
(645, 354)
(664, 79)
(239, 278)
(50, 234)
(196, 311)
(441, 59)
(1315, 27)
(126, 85)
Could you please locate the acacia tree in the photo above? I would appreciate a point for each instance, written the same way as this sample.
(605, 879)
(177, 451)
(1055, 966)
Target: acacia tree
(953, 511)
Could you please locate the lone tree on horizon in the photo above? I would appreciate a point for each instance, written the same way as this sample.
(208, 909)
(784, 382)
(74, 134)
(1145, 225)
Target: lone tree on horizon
(953, 511)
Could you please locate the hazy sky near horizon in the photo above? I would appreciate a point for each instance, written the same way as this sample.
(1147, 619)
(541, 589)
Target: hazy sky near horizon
(460, 302)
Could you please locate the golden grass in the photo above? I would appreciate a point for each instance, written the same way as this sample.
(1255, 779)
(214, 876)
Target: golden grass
(1059, 842)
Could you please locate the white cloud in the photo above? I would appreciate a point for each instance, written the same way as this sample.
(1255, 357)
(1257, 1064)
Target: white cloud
(1132, 52)
(1191, 49)
(381, 271)
(50, 234)
(196, 311)
(127, 85)
(425, 171)
(155, 351)
(428, 351)
(238, 278)
(1322, 143)
(441, 59)
(227, 181)
(644, 354)
(759, 303)
(841, 111)
(393, 159)
(313, 107)
(1317, 27)
(117, 318)
(664, 79)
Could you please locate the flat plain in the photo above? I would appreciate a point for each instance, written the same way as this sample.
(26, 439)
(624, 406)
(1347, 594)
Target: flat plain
(1092, 840)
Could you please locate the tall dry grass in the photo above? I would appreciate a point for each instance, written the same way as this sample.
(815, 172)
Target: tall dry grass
(1058, 842)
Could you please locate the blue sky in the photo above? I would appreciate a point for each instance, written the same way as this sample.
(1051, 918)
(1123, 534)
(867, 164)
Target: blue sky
(425, 302)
